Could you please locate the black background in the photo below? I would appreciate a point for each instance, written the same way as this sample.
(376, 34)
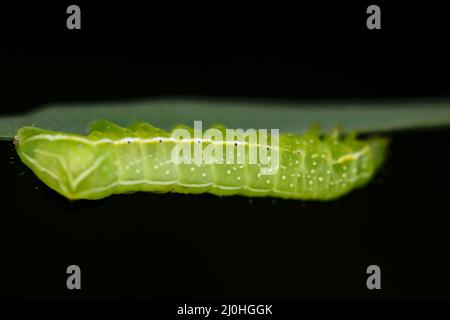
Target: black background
(177, 246)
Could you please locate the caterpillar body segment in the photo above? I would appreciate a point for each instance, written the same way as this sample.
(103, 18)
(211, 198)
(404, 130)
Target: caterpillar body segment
(113, 160)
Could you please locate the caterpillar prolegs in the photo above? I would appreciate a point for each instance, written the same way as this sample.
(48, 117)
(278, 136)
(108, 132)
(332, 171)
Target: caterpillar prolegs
(112, 160)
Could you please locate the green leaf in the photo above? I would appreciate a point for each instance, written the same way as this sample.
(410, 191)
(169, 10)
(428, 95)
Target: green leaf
(288, 117)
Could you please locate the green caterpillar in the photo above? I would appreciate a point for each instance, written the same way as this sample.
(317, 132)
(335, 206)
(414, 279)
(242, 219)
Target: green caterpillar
(112, 160)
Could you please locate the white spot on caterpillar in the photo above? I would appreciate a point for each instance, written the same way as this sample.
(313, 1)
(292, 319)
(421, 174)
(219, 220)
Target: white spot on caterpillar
(239, 178)
(203, 174)
(291, 185)
(167, 172)
(138, 171)
(155, 166)
(192, 169)
(268, 181)
(228, 172)
(283, 178)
